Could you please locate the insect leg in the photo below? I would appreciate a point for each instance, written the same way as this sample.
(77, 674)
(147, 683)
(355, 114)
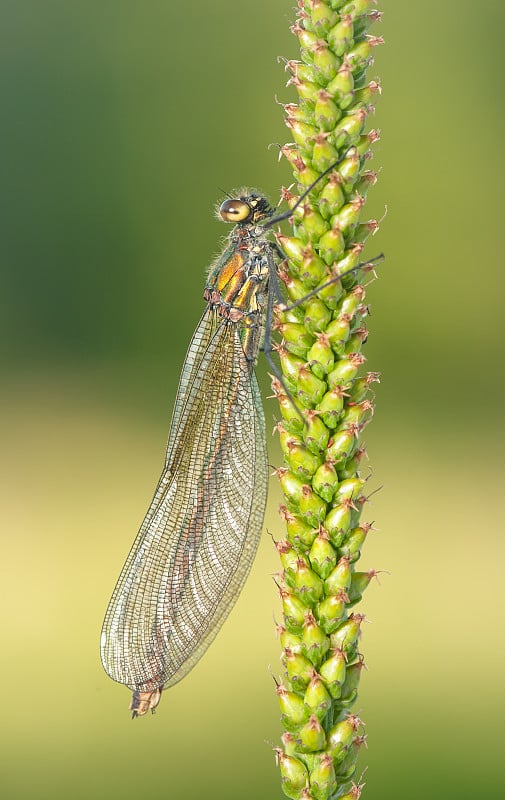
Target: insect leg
(335, 278)
(273, 278)
(286, 214)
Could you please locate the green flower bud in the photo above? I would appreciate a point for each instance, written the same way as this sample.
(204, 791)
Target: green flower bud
(285, 437)
(332, 245)
(348, 130)
(326, 111)
(365, 142)
(303, 133)
(292, 488)
(300, 535)
(349, 489)
(322, 17)
(307, 89)
(317, 698)
(290, 364)
(291, 411)
(331, 407)
(332, 196)
(338, 522)
(348, 216)
(315, 640)
(317, 315)
(299, 669)
(323, 156)
(360, 581)
(294, 611)
(356, 341)
(312, 271)
(320, 356)
(289, 560)
(315, 433)
(307, 40)
(357, 414)
(340, 37)
(290, 640)
(341, 736)
(338, 332)
(353, 542)
(312, 507)
(365, 229)
(350, 260)
(342, 445)
(304, 72)
(351, 302)
(305, 176)
(367, 180)
(294, 287)
(325, 481)
(290, 314)
(322, 778)
(289, 743)
(294, 775)
(331, 611)
(322, 555)
(300, 460)
(296, 338)
(296, 112)
(339, 580)
(361, 387)
(345, 370)
(310, 223)
(309, 388)
(332, 671)
(365, 94)
(307, 586)
(331, 293)
(349, 169)
(341, 87)
(294, 711)
(347, 634)
(326, 63)
(292, 247)
(360, 55)
(311, 736)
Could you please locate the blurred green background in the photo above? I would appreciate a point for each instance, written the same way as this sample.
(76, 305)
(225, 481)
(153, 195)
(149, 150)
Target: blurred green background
(120, 120)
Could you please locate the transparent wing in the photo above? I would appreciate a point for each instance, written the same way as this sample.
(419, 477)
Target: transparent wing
(199, 537)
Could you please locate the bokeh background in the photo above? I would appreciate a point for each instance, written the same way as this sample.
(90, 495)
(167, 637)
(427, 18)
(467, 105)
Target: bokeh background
(120, 121)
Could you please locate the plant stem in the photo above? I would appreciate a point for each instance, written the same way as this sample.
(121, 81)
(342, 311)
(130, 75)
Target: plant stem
(321, 360)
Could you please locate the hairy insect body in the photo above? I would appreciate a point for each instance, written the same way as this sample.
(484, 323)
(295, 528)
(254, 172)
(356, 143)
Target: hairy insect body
(237, 286)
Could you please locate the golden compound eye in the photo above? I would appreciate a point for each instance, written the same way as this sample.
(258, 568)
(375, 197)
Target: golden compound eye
(235, 211)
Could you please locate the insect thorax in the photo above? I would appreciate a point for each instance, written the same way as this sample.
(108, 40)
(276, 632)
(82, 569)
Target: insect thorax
(238, 282)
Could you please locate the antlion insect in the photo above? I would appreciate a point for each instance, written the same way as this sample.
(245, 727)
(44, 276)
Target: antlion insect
(199, 537)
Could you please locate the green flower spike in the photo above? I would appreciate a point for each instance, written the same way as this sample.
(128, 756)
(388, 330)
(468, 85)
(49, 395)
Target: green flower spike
(326, 398)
